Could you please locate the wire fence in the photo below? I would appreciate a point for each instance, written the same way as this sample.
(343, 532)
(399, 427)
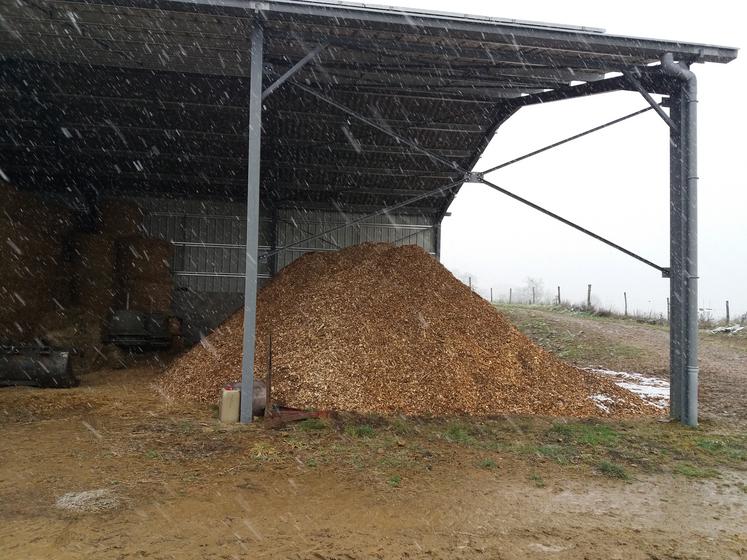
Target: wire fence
(534, 295)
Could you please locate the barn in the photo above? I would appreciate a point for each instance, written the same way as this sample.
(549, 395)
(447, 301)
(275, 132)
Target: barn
(223, 139)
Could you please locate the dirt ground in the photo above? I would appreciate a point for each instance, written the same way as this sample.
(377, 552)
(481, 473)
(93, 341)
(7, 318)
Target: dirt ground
(627, 345)
(184, 486)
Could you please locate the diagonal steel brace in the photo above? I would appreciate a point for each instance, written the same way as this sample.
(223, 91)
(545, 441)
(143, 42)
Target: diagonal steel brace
(650, 100)
(380, 127)
(664, 271)
(293, 70)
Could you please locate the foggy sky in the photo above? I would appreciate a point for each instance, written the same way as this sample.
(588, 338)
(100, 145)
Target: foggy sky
(614, 182)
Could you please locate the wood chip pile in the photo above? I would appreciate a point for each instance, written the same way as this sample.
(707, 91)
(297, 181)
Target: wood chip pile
(381, 329)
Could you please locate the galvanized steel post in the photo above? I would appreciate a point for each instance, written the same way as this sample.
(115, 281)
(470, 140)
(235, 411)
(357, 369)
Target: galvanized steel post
(684, 286)
(252, 222)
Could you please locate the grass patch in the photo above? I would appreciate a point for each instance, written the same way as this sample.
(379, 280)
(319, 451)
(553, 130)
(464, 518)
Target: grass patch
(185, 427)
(312, 424)
(487, 464)
(457, 432)
(360, 431)
(152, 454)
(722, 448)
(691, 471)
(537, 480)
(394, 481)
(613, 470)
(588, 433)
(402, 427)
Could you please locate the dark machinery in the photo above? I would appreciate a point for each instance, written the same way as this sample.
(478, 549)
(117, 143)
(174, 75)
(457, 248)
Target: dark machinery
(35, 366)
(136, 329)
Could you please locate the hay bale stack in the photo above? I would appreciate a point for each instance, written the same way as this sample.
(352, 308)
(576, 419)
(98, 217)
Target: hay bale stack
(384, 329)
(120, 218)
(31, 252)
(145, 268)
(94, 274)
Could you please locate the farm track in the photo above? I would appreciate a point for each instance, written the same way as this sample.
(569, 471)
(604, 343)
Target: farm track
(723, 358)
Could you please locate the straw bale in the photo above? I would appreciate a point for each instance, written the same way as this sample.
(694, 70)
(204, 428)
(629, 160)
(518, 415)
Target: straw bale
(381, 329)
(120, 218)
(140, 259)
(94, 273)
(31, 250)
(150, 296)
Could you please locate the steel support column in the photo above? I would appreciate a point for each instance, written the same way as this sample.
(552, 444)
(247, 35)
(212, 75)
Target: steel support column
(684, 244)
(677, 282)
(252, 222)
(437, 240)
(273, 240)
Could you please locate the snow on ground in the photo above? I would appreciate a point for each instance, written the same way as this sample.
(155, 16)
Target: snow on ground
(650, 389)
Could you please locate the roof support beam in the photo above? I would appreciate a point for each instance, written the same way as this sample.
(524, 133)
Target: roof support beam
(293, 70)
(380, 127)
(653, 81)
(650, 100)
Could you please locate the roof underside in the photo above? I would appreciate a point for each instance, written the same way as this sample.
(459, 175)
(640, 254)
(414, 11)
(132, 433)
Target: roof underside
(150, 97)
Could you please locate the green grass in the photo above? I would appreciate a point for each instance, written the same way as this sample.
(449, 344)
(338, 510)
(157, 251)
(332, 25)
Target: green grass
(691, 471)
(613, 470)
(584, 433)
(360, 431)
(561, 454)
(720, 447)
(394, 481)
(312, 424)
(487, 464)
(457, 432)
(537, 480)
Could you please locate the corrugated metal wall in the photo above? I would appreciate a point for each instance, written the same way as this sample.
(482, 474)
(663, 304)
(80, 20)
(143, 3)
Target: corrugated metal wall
(209, 240)
(400, 229)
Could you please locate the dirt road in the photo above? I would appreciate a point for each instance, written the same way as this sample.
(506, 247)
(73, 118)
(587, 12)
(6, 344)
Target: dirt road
(187, 487)
(629, 346)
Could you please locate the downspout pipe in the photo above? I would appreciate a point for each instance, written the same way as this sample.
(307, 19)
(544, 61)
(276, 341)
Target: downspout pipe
(689, 142)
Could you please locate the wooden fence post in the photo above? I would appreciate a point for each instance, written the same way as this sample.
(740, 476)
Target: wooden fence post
(625, 295)
(558, 295)
(727, 312)
(510, 293)
(532, 295)
(588, 297)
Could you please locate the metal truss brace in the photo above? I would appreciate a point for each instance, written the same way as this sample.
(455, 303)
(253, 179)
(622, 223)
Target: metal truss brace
(377, 126)
(663, 270)
(650, 100)
(386, 210)
(293, 70)
(565, 141)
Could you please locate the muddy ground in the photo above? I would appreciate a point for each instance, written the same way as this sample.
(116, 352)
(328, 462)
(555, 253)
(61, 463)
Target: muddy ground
(629, 345)
(183, 486)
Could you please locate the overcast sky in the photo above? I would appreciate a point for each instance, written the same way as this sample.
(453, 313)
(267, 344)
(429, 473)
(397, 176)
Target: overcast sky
(615, 182)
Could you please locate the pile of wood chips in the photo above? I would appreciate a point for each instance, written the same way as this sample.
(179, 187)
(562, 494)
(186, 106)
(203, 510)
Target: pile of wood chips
(382, 329)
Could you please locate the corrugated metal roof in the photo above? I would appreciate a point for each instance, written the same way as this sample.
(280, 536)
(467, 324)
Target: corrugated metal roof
(151, 95)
